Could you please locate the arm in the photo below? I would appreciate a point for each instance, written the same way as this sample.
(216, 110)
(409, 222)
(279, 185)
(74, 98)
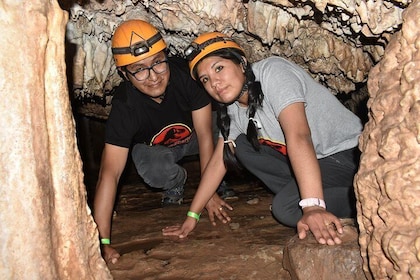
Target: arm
(213, 175)
(202, 119)
(113, 162)
(308, 175)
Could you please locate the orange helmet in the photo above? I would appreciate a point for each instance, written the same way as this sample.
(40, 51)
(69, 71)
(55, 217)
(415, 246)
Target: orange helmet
(207, 43)
(135, 40)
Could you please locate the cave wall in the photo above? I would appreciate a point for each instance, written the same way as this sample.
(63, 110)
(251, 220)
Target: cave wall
(388, 180)
(338, 42)
(342, 44)
(46, 229)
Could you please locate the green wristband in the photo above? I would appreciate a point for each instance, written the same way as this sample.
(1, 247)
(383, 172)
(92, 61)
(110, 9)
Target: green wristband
(105, 241)
(193, 215)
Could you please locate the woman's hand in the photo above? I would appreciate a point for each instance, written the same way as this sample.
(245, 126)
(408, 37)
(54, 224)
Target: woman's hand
(217, 207)
(180, 231)
(324, 226)
(109, 254)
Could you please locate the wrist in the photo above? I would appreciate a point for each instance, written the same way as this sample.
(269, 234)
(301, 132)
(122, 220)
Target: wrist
(311, 202)
(194, 215)
(105, 241)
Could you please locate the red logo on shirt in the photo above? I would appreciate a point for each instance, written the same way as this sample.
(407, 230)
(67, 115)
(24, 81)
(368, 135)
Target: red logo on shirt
(281, 148)
(172, 135)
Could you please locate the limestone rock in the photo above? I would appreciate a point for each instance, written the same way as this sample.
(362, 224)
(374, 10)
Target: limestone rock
(388, 181)
(306, 259)
(336, 41)
(47, 231)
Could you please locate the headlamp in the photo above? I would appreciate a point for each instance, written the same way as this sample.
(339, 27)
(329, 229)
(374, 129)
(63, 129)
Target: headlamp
(194, 49)
(140, 47)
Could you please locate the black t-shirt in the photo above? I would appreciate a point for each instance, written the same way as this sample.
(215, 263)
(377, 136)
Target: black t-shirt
(135, 118)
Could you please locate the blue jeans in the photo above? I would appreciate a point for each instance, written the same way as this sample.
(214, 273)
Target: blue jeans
(274, 170)
(157, 165)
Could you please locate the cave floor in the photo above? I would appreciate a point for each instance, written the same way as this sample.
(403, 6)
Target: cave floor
(250, 247)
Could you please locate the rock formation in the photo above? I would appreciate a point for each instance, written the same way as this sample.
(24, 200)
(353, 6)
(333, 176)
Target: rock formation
(47, 231)
(336, 41)
(388, 181)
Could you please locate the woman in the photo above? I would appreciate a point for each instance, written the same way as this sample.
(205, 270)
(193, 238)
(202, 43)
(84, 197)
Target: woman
(286, 129)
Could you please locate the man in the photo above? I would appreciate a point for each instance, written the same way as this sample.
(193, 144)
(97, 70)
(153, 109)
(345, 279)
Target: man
(159, 114)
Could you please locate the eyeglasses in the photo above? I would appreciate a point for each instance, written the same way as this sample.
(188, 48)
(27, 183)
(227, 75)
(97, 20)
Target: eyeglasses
(144, 73)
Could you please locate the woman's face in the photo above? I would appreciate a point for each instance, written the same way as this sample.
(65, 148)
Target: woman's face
(222, 78)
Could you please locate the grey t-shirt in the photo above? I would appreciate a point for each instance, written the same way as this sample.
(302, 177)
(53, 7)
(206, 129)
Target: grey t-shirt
(334, 128)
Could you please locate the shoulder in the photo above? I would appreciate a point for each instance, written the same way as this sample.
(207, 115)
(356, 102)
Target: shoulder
(276, 69)
(274, 62)
(121, 92)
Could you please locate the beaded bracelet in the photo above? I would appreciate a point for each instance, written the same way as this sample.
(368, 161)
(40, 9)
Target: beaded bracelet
(194, 215)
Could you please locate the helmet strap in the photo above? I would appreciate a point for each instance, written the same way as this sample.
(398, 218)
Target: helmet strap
(243, 90)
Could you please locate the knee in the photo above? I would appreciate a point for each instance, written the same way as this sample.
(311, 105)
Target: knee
(151, 157)
(285, 212)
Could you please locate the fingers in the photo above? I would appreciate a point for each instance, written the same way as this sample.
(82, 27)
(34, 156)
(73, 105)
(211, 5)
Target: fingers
(334, 228)
(175, 231)
(227, 206)
(113, 259)
(180, 231)
(110, 254)
(171, 230)
(302, 230)
(219, 210)
(327, 233)
(221, 213)
(324, 226)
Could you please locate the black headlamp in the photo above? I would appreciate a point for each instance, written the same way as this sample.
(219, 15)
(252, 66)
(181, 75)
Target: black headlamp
(140, 47)
(194, 49)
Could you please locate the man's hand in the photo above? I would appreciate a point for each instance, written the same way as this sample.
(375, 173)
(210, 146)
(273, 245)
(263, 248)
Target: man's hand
(109, 254)
(324, 226)
(217, 207)
(180, 231)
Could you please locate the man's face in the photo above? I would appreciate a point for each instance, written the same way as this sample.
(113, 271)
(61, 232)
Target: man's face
(155, 84)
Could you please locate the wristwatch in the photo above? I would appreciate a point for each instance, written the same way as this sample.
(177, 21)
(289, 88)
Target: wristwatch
(308, 202)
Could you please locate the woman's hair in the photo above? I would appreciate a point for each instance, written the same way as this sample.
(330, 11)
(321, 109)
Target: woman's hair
(255, 99)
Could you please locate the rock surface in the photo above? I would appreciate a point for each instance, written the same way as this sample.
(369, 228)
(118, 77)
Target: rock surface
(337, 42)
(250, 247)
(46, 230)
(388, 181)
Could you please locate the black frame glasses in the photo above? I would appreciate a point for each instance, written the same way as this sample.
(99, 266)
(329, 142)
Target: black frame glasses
(142, 74)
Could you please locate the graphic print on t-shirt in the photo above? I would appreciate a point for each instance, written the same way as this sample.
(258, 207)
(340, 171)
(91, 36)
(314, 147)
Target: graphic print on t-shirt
(279, 147)
(172, 135)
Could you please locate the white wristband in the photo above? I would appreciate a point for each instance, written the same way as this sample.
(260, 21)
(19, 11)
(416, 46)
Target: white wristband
(308, 202)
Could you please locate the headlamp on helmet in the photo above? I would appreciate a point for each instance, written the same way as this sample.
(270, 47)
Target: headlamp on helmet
(205, 44)
(138, 48)
(135, 40)
(194, 49)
